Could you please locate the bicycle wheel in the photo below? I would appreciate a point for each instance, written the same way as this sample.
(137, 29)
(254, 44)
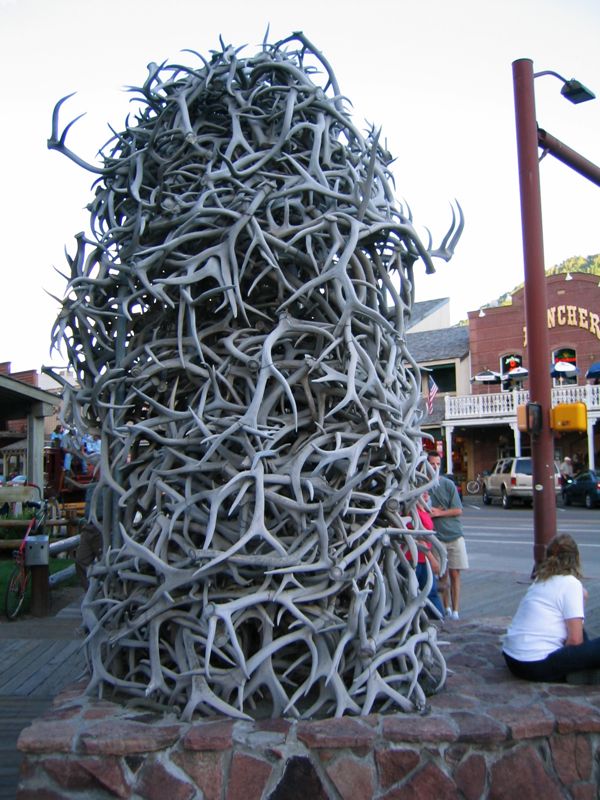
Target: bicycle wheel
(473, 487)
(16, 592)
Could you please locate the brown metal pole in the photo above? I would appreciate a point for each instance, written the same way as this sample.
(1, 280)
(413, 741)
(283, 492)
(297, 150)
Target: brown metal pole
(570, 157)
(536, 304)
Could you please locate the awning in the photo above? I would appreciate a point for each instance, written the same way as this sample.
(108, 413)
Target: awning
(593, 371)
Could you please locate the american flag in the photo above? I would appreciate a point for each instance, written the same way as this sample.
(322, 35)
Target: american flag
(432, 390)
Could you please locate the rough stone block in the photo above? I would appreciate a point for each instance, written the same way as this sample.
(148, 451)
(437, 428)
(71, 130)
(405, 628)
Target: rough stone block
(521, 773)
(425, 784)
(572, 758)
(88, 773)
(39, 794)
(585, 791)
(123, 737)
(69, 774)
(75, 692)
(248, 777)
(394, 765)
(155, 782)
(48, 736)
(110, 774)
(354, 780)
(470, 776)
(65, 712)
(335, 733)
(524, 722)
(206, 769)
(455, 754)
(419, 729)
(276, 725)
(574, 717)
(479, 728)
(209, 736)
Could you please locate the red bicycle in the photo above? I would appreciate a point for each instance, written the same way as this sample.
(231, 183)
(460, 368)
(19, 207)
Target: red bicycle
(19, 583)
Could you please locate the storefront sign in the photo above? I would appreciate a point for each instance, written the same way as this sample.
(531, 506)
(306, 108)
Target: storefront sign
(572, 316)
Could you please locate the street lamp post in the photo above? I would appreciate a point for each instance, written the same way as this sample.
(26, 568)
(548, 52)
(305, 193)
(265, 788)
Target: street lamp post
(540, 388)
(542, 442)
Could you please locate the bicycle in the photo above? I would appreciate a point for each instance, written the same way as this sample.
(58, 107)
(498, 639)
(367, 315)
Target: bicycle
(476, 485)
(19, 582)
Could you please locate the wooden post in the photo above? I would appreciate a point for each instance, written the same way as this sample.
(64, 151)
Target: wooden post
(40, 590)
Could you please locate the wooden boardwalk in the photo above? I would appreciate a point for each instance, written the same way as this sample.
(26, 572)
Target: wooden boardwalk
(40, 657)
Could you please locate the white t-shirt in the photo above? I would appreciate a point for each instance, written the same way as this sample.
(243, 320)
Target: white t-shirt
(539, 628)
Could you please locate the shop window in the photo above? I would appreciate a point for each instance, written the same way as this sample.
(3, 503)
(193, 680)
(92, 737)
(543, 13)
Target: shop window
(509, 362)
(564, 366)
(445, 377)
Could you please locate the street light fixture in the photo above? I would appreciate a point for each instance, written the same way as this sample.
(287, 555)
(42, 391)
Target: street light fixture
(576, 92)
(536, 304)
(573, 90)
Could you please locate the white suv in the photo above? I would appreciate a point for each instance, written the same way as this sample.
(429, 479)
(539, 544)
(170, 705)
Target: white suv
(511, 480)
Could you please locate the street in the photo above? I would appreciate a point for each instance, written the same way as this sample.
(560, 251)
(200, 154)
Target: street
(500, 548)
(502, 540)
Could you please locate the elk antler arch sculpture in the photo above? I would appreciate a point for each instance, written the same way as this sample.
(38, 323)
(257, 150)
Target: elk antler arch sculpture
(236, 321)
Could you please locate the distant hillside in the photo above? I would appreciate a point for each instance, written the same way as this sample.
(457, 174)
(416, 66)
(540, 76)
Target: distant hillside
(589, 264)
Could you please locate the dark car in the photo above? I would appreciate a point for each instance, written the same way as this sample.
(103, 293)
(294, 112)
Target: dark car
(583, 488)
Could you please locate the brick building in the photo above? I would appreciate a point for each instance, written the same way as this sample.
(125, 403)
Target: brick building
(476, 422)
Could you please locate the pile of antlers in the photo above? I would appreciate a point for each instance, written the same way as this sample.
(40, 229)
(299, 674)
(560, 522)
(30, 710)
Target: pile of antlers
(236, 322)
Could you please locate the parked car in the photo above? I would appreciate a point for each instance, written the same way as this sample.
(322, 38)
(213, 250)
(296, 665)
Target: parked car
(583, 488)
(511, 480)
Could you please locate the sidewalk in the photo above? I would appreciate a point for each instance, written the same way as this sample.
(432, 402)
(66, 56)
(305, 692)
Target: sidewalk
(38, 658)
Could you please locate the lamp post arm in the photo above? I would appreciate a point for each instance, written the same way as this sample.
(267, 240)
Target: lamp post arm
(570, 157)
(549, 72)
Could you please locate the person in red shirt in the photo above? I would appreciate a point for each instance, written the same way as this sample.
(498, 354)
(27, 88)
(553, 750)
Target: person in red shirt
(425, 553)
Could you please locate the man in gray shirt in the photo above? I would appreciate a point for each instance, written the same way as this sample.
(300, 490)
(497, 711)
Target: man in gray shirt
(446, 509)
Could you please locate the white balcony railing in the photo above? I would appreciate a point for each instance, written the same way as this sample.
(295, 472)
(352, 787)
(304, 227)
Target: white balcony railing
(504, 404)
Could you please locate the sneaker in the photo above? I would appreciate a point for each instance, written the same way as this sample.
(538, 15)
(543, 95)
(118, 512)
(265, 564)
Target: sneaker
(449, 613)
(454, 615)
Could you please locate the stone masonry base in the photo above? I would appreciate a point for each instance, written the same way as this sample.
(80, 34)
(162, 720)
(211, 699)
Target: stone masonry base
(486, 735)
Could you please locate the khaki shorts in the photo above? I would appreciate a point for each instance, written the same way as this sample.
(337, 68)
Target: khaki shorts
(457, 553)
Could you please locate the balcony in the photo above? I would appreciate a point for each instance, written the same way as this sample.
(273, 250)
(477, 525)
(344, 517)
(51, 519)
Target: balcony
(501, 406)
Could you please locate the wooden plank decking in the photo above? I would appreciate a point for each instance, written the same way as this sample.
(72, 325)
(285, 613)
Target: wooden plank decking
(38, 658)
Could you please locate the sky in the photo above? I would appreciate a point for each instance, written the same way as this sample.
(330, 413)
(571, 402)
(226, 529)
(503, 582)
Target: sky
(435, 75)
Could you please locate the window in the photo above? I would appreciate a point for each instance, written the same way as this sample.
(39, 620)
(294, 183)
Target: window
(523, 466)
(445, 377)
(564, 366)
(511, 361)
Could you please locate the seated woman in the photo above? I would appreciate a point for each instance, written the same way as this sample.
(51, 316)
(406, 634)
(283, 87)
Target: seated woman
(546, 640)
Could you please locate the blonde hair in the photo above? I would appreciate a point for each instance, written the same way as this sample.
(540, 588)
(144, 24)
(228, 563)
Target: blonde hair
(562, 558)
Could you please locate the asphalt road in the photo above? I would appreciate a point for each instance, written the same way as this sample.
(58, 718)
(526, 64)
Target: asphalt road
(502, 539)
